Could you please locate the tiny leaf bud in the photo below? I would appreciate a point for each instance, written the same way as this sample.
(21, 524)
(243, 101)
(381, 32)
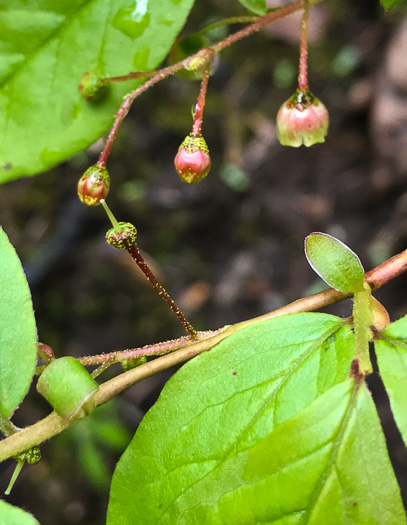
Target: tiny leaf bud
(129, 364)
(124, 238)
(91, 87)
(302, 119)
(68, 387)
(94, 185)
(192, 161)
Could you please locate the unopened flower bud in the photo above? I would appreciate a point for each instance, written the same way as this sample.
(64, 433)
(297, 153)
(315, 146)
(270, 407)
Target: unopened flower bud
(192, 161)
(124, 238)
(94, 185)
(302, 119)
(129, 364)
(31, 456)
(91, 87)
(198, 62)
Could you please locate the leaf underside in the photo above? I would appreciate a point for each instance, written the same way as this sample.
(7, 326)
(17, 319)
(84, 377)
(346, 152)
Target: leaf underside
(266, 428)
(18, 332)
(45, 47)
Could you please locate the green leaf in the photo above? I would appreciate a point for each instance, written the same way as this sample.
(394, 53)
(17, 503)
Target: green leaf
(46, 48)
(390, 3)
(225, 401)
(328, 465)
(10, 515)
(334, 262)
(392, 361)
(18, 332)
(257, 6)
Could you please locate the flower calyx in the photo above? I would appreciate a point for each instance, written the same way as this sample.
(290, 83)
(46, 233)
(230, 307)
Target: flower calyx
(94, 185)
(302, 119)
(122, 238)
(192, 161)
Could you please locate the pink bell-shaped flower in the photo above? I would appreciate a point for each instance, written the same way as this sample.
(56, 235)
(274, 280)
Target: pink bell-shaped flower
(302, 119)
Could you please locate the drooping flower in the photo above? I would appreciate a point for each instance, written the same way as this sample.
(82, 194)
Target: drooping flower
(302, 119)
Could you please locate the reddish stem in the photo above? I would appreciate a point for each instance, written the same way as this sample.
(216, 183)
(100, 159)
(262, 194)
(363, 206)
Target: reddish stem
(157, 349)
(126, 105)
(139, 259)
(134, 75)
(167, 71)
(200, 104)
(303, 69)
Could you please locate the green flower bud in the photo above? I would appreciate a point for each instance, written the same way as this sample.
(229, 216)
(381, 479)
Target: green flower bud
(124, 238)
(91, 87)
(129, 364)
(68, 387)
(30, 456)
(94, 185)
(302, 119)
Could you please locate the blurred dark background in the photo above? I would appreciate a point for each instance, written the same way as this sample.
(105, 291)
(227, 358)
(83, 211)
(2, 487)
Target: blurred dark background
(227, 249)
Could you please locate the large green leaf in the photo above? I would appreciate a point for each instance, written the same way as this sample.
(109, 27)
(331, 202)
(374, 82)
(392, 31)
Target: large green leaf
(224, 402)
(392, 361)
(328, 465)
(18, 332)
(46, 46)
(10, 515)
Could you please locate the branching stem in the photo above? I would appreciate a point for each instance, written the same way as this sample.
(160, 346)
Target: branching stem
(161, 74)
(53, 424)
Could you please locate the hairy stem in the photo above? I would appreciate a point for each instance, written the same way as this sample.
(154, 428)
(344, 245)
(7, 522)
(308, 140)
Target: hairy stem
(303, 68)
(54, 424)
(200, 104)
(139, 259)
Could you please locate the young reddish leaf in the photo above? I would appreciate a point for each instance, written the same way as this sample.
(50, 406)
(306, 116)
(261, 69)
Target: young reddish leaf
(334, 262)
(18, 332)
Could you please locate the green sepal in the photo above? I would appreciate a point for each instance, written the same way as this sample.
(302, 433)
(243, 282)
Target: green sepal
(68, 387)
